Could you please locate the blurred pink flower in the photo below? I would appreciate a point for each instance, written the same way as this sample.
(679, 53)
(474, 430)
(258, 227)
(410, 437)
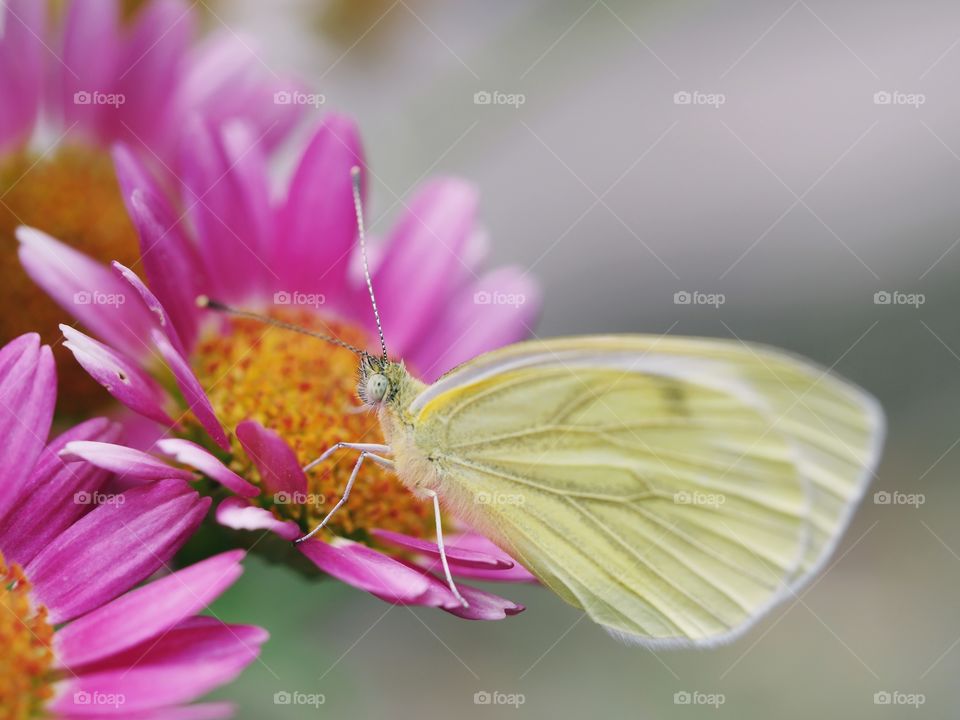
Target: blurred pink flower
(77, 640)
(77, 77)
(90, 75)
(281, 394)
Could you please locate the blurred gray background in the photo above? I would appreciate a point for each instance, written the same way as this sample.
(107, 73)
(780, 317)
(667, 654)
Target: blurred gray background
(786, 184)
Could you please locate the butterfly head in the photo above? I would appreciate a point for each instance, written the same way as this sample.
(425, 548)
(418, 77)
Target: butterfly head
(380, 379)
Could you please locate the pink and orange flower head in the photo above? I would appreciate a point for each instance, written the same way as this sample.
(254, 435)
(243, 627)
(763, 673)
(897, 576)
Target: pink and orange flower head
(254, 403)
(80, 635)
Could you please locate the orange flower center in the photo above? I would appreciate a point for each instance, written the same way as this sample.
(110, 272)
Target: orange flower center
(72, 194)
(306, 390)
(26, 638)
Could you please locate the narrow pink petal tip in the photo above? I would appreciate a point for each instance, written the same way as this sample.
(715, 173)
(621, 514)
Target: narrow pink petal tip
(122, 460)
(193, 392)
(123, 378)
(189, 453)
(87, 290)
(369, 570)
(458, 556)
(280, 471)
(238, 514)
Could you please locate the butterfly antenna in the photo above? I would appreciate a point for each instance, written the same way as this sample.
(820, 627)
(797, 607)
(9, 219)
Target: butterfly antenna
(205, 302)
(355, 177)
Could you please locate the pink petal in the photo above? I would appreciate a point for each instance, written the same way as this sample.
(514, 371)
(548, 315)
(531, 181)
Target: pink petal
(146, 612)
(482, 605)
(136, 431)
(12, 353)
(58, 493)
(369, 570)
(227, 199)
(90, 292)
(122, 460)
(91, 55)
(152, 303)
(428, 244)
(122, 377)
(193, 392)
(225, 80)
(151, 67)
(189, 453)
(114, 547)
(498, 309)
(195, 657)
(275, 460)
(456, 555)
(170, 262)
(28, 392)
(132, 175)
(317, 226)
(21, 69)
(478, 543)
(236, 513)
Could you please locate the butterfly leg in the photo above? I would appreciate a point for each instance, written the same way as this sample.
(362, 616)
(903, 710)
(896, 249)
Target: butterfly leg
(443, 553)
(346, 492)
(370, 447)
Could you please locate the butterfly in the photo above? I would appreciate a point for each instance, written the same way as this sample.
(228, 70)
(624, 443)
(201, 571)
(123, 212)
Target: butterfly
(674, 489)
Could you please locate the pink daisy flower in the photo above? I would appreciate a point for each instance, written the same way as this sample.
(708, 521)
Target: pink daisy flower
(256, 402)
(75, 80)
(77, 640)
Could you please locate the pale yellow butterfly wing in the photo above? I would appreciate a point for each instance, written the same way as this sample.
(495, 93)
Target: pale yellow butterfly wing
(669, 488)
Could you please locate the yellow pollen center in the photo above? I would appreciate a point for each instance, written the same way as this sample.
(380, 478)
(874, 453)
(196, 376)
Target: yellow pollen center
(306, 390)
(25, 639)
(73, 195)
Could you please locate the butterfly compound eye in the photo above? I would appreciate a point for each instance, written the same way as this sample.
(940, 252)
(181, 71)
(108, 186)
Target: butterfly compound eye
(377, 386)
